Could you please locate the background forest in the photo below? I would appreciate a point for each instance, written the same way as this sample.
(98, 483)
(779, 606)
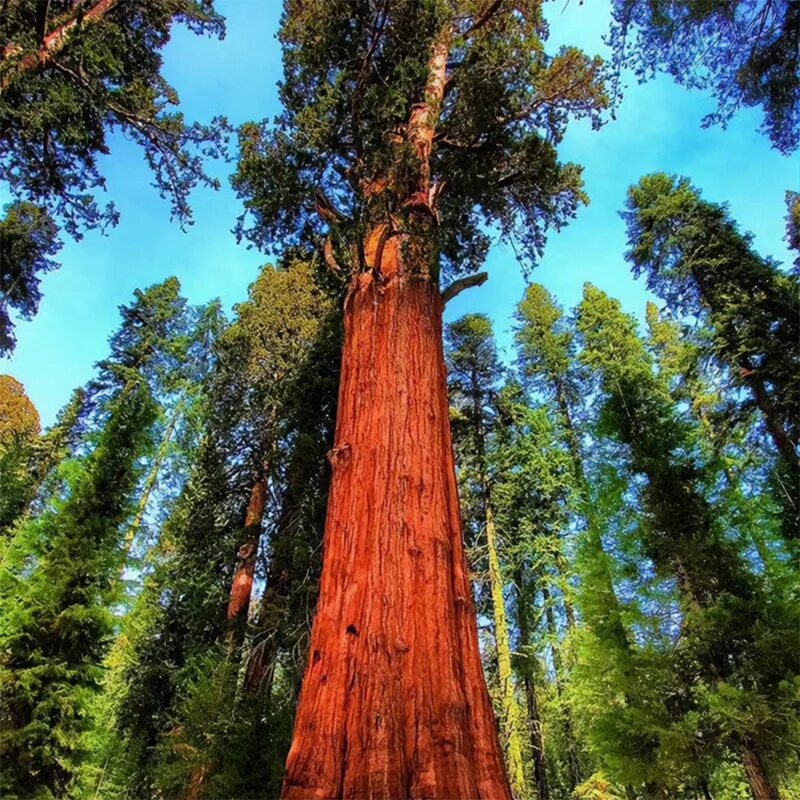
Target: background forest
(628, 481)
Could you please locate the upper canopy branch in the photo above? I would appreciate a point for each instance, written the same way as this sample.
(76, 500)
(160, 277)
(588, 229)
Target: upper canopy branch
(52, 43)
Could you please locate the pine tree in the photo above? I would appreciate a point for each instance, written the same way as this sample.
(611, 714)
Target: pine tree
(722, 657)
(28, 241)
(474, 371)
(532, 484)
(695, 258)
(56, 596)
(186, 726)
(406, 128)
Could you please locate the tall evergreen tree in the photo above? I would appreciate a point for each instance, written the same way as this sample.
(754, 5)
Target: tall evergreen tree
(407, 126)
(474, 371)
(695, 258)
(722, 656)
(185, 727)
(28, 241)
(532, 482)
(56, 597)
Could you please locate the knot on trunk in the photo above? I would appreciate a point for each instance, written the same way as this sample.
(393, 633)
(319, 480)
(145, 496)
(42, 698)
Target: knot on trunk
(340, 455)
(246, 551)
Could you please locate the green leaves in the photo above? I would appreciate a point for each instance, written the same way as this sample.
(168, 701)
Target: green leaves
(355, 76)
(95, 68)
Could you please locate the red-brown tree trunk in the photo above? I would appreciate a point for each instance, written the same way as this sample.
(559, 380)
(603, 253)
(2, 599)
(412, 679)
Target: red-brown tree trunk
(760, 785)
(242, 582)
(393, 702)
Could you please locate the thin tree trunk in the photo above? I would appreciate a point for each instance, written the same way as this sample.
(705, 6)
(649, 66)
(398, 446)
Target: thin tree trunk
(149, 484)
(242, 582)
(534, 717)
(393, 702)
(558, 669)
(510, 723)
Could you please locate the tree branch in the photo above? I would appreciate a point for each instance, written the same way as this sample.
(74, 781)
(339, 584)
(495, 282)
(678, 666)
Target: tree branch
(458, 286)
(53, 42)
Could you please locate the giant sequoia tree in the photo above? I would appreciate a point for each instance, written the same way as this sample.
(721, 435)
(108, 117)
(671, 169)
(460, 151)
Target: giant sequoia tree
(407, 127)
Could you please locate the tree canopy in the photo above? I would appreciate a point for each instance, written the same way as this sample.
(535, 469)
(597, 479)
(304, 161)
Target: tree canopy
(358, 82)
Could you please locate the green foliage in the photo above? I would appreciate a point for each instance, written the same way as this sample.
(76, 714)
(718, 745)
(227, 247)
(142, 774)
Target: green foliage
(743, 51)
(345, 142)
(56, 591)
(182, 708)
(719, 658)
(695, 258)
(28, 240)
(71, 74)
(19, 431)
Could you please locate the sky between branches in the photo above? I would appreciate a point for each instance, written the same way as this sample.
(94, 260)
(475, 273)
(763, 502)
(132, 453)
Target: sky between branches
(657, 129)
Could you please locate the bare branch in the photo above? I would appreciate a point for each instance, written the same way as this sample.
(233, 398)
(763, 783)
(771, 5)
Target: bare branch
(458, 286)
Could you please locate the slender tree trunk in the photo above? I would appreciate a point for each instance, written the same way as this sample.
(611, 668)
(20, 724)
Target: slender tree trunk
(534, 717)
(242, 582)
(510, 723)
(558, 669)
(149, 484)
(760, 784)
(393, 702)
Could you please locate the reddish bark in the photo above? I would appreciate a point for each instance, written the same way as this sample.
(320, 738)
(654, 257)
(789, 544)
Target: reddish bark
(393, 702)
(52, 43)
(760, 784)
(242, 583)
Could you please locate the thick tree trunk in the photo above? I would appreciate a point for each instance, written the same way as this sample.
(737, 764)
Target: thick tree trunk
(760, 784)
(393, 702)
(510, 723)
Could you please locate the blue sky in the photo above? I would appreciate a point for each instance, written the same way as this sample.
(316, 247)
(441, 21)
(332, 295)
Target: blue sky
(657, 128)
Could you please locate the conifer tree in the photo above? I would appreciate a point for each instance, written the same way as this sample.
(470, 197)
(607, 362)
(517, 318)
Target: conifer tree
(546, 357)
(184, 725)
(406, 128)
(532, 483)
(695, 258)
(474, 371)
(19, 430)
(56, 595)
(734, 682)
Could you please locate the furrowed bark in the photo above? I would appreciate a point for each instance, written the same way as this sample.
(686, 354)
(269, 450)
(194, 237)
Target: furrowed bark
(760, 784)
(393, 702)
(242, 583)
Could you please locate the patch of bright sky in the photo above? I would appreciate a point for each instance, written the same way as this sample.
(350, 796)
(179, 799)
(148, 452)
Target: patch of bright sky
(657, 128)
